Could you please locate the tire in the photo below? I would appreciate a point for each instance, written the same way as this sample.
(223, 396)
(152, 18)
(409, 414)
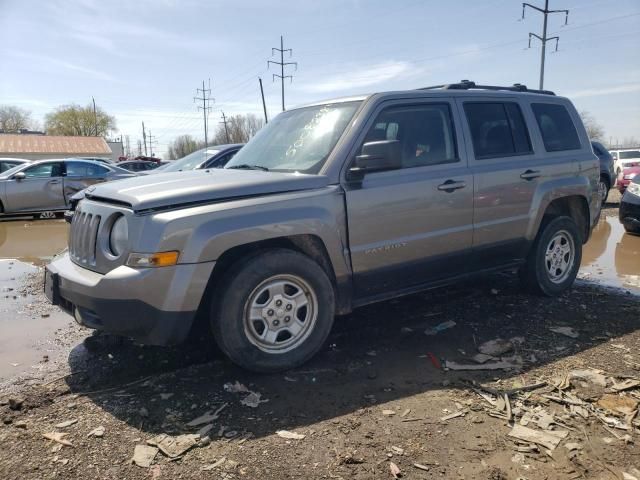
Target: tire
(539, 274)
(603, 189)
(272, 336)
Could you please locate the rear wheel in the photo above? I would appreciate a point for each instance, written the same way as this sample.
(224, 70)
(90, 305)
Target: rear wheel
(554, 259)
(603, 189)
(275, 311)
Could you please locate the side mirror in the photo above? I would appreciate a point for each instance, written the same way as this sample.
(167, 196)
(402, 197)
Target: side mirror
(19, 176)
(377, 157)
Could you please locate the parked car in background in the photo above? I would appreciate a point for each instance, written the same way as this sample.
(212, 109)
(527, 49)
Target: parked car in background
(96, 159)
(138, 165)
(622, 158)
(47, 185)
(607, 170)
(8, 163)
(626, 175)
(630, 207)
(332, 206)
(211, 157)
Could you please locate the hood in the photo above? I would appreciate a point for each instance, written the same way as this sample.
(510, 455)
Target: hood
(200, 186)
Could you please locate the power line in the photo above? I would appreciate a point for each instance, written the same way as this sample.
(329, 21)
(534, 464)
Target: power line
(226, 129)
(544, 39)
(282, 64)
(206, 100)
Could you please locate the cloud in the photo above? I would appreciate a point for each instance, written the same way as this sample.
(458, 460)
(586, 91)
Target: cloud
(363, 76)
(612, 90)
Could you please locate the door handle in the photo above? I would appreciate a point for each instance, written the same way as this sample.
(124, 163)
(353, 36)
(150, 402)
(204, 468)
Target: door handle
(451, 185)
(54, 182)
(530, 174)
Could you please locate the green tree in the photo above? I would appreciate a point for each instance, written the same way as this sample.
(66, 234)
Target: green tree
(13, 119)
(81, 121)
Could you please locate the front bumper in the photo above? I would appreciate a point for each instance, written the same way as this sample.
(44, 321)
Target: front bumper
(629, 212)
(154, 306)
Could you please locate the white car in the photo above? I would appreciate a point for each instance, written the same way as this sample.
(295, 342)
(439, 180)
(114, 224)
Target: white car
(624, 158)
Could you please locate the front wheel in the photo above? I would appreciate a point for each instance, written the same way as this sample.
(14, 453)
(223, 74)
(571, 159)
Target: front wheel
(554, 259)
(275, 312)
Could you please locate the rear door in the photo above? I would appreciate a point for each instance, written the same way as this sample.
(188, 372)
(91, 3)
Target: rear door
(41, 189)
(508, 162)
(80, 175)
(413, 225)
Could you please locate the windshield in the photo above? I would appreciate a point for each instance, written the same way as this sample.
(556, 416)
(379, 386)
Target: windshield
(191, 161)
(629, 155)
(299, 140)
(13, 170)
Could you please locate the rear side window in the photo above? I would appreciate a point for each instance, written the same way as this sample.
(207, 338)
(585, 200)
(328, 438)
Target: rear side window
(556, 127)
(497, 129)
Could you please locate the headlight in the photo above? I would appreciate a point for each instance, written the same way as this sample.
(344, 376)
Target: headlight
(634, 189)
(119, 236)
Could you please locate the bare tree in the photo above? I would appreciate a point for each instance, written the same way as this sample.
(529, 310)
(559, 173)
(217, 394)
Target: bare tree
(14, 119)
(81, 121)
(594, 129)
(240, 127)
(182, 146)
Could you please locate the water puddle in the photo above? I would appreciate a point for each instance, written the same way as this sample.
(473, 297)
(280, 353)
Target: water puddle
(28, 324)
(612, 256)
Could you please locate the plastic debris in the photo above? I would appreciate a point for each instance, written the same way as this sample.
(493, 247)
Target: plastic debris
(143, 455)
(395, 471)
(174, 447)
(501, 365)
(496, 347)
(290, 435)
(566, 331)
(58, 437)
(252, 400)
(549, 439)
(97, 432)
(440, 327)
(235, 387)
(207, 417)
(67, 423)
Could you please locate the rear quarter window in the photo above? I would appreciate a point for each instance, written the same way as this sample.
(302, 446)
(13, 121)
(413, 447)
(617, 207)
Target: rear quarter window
(556, 127)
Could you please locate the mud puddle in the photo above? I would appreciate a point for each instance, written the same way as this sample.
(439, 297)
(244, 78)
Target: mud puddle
(612, 256)
(28, 324)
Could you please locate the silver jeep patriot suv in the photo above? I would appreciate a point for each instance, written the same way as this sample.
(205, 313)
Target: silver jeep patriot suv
(332, 206)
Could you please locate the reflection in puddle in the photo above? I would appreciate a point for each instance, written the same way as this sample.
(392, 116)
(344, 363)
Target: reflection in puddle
(612, 256)
(32, 241)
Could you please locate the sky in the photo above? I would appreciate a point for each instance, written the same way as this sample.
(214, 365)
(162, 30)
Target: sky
(142, 60)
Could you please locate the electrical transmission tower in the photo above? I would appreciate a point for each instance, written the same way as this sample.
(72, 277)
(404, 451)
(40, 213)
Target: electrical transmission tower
(544, 39)
(127, 146)
(282, 64)
(226, 129)
(206, 101)
(151, 142)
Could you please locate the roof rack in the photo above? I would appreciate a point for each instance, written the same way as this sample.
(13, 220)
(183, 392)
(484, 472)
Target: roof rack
(468, 85)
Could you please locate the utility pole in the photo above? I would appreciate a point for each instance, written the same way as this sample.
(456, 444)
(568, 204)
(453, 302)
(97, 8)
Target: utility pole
(139, 148)
(206, 100)
(264, 105)
(127, 146)
(144, 139)
(151, 142)
(282, 64)
(95, 116)
(544, 39)
(226, 129)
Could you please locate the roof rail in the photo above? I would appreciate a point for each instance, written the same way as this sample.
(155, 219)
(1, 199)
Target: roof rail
(468, 85)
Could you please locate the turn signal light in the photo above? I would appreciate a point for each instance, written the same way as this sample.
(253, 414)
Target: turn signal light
(159, 259)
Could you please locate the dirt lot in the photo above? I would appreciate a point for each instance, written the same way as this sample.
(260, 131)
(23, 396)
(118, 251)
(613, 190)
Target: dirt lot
(378, 397)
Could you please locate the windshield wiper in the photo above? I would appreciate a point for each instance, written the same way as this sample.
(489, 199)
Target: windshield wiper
(246, 166)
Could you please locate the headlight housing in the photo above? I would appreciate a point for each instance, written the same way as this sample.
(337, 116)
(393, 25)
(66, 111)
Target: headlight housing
(634, 189)
(119, 236)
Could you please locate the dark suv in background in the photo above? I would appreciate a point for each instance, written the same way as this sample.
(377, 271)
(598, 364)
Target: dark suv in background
(607, 172)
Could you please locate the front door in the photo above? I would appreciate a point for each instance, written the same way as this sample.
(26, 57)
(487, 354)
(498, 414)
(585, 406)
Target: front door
(41, 189)
(80, 175)
(411, 226)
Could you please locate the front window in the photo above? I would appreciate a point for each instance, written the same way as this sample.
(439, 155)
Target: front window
(191, 161)
(630, 155)
(299, 140)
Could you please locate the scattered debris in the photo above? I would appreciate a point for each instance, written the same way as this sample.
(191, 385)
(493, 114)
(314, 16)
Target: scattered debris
(419, 466)
(143, 412)
(388, 412)
(405, 412)
(66, 424)
(618, 404)
(16, 403)
(235, 387)
(459, 413)
(549, 439)
(290, 435)
(482, 358)
(440, 327)
(174, 447)
(207, 417)
(496, 347)
(97, 432)
(58, 437)
(501, 365)
(627, 384)
(253, 400)
(566, 331)
(397, 450)
(395, 471)
(143, 455)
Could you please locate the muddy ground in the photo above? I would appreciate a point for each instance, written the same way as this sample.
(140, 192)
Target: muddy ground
(377, 397)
